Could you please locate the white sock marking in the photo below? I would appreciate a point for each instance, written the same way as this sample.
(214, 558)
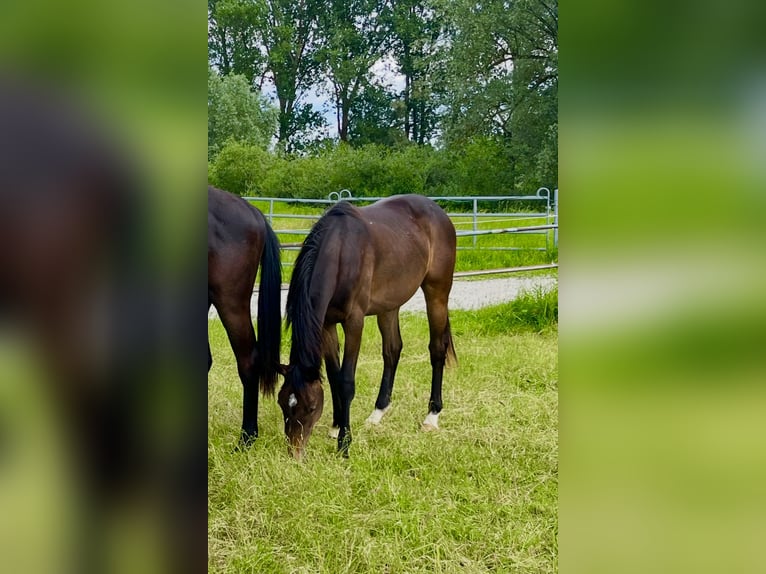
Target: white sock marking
(376, 415)
(432, 421)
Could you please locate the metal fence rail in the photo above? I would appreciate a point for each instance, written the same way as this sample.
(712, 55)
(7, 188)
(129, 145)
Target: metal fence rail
(549, 212)
(542, 195)
(505, 270)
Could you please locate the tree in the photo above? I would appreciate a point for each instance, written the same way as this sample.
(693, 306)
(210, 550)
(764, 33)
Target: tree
(478, 80)
(354, 33)
(287, 31)
(375, 119)
(235, 112)
(503, 71)
(233, 44)
(274, 40)
(417, 42)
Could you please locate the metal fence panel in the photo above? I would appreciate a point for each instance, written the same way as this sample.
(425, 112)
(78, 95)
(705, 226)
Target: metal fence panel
(548, 201)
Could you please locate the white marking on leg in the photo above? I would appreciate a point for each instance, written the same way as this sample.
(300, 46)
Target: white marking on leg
(376, 415)
(333, 432)
(431, 422)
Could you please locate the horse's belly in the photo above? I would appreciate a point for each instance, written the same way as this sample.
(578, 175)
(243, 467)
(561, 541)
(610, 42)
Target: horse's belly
(390, 294)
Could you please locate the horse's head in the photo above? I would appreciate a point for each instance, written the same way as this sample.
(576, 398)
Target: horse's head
(302, 400)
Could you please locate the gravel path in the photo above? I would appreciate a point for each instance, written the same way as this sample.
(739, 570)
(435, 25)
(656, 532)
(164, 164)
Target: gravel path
(478, 294)
(464, 294)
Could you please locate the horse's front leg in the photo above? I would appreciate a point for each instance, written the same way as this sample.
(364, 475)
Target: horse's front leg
(352, 328)
(331, 351)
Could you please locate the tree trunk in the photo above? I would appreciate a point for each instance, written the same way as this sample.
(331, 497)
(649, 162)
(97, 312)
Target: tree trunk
(407, 83)
(343, 131)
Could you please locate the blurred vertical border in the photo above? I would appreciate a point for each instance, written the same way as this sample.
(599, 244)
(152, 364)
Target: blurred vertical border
(102, 360)
(662, 283)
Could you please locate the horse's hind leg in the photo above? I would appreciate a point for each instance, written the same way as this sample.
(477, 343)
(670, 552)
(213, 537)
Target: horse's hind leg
(388, 323)
(239, 328)
(440, 341)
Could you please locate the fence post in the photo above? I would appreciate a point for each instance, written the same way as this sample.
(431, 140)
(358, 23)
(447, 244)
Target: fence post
(475, 218)
(271, 212)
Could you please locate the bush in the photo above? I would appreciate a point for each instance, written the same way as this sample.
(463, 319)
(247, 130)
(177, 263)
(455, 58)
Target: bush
(303, 178)
(241, 168)
(481, 167)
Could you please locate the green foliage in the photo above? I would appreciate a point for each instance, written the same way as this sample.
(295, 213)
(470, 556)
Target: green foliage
(480, 168)
(353, 38)
(287, 32)
(547, 160)
(377, 171)
(536, 311)
(235, 113)
(307, 177)
(502, 72)
(375, 119)
(275, 40)
(232, 44)
(417, 40)
(241, 168)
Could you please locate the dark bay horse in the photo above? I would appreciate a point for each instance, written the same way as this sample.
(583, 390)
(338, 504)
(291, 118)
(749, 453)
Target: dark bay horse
(357, 262)
(238, 240)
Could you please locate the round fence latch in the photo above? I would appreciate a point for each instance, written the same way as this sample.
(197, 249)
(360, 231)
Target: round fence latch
(339, 195)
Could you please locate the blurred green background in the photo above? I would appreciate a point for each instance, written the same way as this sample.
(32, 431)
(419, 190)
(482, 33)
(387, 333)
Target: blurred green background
(137, 70)
(662, 282)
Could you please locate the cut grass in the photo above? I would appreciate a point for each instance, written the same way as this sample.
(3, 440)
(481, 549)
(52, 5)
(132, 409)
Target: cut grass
(479, 495)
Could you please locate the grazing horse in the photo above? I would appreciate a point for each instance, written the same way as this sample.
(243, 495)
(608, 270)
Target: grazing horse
(238, 240)
(357, 262)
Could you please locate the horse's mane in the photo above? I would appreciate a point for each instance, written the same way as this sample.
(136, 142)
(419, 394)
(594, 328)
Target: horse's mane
(306, 352)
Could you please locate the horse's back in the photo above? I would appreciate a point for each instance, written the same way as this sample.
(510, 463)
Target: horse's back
(231, 219)
(236, 235)
(399, 212)
(412, 221)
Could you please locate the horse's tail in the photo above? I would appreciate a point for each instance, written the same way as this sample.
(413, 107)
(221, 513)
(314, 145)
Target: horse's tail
(269, 315)
(451, 358)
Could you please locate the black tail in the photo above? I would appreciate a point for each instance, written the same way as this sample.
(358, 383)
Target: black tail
(451, 358)
(269, 315)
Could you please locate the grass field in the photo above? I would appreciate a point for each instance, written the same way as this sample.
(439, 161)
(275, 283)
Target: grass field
(481, 252)
(479, 495)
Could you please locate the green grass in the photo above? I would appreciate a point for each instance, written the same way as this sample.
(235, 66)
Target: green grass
(481, 252)
(479, 495)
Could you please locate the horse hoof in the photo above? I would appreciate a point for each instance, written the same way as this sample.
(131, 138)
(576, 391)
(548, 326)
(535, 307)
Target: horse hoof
(246, 440)
(376, 416)
(333, 432)
(241, 446)
(432, 422)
